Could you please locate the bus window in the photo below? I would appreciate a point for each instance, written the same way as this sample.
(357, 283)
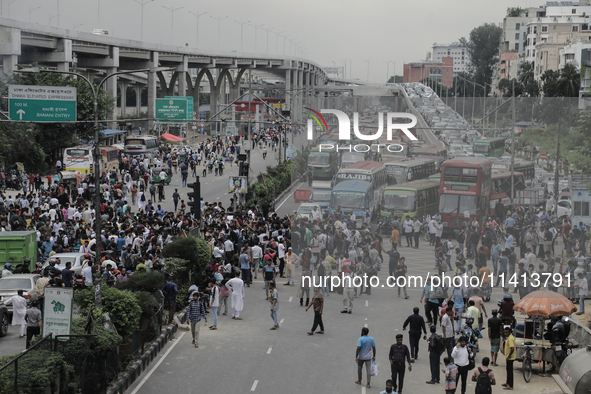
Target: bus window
(452, 174)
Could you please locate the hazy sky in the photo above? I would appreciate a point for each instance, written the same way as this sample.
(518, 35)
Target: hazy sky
(331, 30)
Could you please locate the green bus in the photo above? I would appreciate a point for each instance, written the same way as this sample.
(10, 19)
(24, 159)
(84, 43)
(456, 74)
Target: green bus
(490, 147)
(323, 163)
(412, 199)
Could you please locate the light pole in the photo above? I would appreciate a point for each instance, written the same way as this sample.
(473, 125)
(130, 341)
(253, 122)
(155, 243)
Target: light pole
(284, 39)
(51, 18)
(256, 28)
(277, 34)
(197, 15)
(241, 32)
(9, 3)
(97, 164)
(98, 14)
(74, 26)
(268, 29)
(367, 69)
(58, 13)
(31, 9)
(219, 19)
(142, 3)
(172, 11)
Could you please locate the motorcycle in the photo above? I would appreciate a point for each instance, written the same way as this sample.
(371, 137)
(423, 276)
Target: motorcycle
(560, 341)
(384, 225)
(470, 333)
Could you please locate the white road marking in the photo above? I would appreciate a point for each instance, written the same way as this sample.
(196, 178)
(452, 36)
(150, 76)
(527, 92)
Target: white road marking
(254, 385)
(286, 198)
(366, 303)
(145, 379)
(365, 325)
(362, 389)
(281, 321)
(269, 350)
(290, 298)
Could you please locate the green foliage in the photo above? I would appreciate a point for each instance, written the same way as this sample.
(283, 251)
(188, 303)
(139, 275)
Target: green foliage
(189, 248)
(38, 370)
(396, 79)
(515, 11)
(121, 305)
(182, 297)
(177, 267)
(527, 83)
(482, 47)
(147, 303)
(143, 281)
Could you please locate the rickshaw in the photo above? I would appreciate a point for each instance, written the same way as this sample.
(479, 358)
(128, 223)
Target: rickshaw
(156, 175)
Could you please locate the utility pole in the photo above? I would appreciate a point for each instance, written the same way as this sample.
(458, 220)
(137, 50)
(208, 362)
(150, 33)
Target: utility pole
(219, 19)
(256, 28)
(241, 32)
(268, 29)
(513, 146)
(172, 11)
(197, 15)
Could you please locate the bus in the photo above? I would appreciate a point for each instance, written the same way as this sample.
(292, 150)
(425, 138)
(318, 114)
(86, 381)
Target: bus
(413, 199)
(81, 158)
(501, 187)
(402, 171)
(354, 196)
(435, 151)
(490, 147)
(323, 164)
(331, 138)
(370, 171)
(141, 145)
(350, 158)
(321, 194)
(387, 155)
(527, 168)
(464, 191)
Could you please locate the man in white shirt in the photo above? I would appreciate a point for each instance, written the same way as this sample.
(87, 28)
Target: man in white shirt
(229, 249)
(257, 254)
(281, 255)
(408, 226)
(432, 231)
(316, 214)
(87, 274)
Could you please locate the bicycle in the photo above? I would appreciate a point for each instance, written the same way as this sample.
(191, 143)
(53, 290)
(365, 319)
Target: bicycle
(527, 361)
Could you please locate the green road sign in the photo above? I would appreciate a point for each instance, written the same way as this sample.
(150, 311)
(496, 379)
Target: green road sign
(172, 109)
(29, 103)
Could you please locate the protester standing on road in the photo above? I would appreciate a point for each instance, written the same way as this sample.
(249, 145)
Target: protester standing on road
(510, 357)
(401, 272)
(484, 378)
(447, 328)
(494, 335)
(318, 304)
(399, 353)
(214, 302)
(195, 312)
(236, 285)
(451, 376)
(434, 355)
(417, 324)
(348, 292)
(274, 299)
(19, 310)
(34, 322)
(170, 290)
(366, 345)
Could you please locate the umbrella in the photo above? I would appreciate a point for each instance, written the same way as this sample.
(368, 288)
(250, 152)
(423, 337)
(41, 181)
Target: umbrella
(545, 303)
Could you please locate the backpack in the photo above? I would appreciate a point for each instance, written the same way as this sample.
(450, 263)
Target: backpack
(143, 198)
(445, 247)
(439, 344)
(321, 270)
(483, 383)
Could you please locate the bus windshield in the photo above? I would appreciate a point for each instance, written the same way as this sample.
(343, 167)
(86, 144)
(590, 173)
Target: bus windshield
(481, 148)
(134, 141)
(349, 200)
(458, 203)
(319, 159)
(400, 200)
(321, 196)
(77, 152)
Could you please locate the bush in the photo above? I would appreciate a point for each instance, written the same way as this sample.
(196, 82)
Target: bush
(195, 250)
(143, 281)
(182, 297)
(121, 305)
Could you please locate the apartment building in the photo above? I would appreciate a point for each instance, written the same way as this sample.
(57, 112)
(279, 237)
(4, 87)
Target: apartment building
(455, 50)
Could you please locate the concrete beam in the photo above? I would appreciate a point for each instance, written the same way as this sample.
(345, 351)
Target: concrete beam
(10, 41)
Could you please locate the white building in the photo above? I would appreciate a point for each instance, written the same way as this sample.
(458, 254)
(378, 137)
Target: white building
(455, 50)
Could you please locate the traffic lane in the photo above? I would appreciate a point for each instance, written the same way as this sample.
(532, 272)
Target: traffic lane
(11, 344)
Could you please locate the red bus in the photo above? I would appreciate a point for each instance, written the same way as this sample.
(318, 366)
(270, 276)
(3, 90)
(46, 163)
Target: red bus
(501, 187)
(464, 191)
(110, 156)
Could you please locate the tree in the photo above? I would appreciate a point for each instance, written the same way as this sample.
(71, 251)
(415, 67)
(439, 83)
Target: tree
(515, 11)
(569, 82)
(549, 83)
(192, 249)
(506, 87)
(483, 49)
(396, 79)
(525, 76)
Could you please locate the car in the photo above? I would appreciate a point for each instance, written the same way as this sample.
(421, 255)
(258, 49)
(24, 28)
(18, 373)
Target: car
(564, 208)
(306, 207)
(75, 258)
(3, 320)
(10, 285)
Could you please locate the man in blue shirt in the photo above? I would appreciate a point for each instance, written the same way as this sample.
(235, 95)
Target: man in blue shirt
(120, 242)
(160, 211)
(47, 247)
(108, 277)
(170, 289)
(67, 275)
(509, 223)
(245, 267)
(365, 347)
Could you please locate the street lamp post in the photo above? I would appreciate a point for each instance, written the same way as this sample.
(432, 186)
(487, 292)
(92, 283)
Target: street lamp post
(51, 18)
(9, 3)
(256, 28)
(97, 165)
(219, 19)
(58, 13)
(74, 26)
(172, 11)
(241, 32)
(197, 15)
(268, 29)
(284, 39)
(277, 34)
(31, 9)
(142, 3)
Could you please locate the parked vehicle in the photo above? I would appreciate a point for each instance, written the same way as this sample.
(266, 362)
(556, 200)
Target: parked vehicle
(10, 285)
(16, 246)
(3, 320)
(75, 258)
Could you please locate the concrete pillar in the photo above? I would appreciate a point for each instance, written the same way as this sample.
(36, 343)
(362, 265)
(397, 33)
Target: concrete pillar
(182, 76)
(10, 48)
(288, 90)
(123, 90)
(9, 63)
(138, 99)
(111, 87)
(152, 90)
(300, 95)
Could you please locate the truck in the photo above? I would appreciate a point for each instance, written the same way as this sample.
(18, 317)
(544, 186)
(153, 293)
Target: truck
(16, 246)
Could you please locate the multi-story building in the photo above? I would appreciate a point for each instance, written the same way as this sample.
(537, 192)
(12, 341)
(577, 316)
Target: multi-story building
(514, 27)
(438, 71)
(456, 51)
(509, 65)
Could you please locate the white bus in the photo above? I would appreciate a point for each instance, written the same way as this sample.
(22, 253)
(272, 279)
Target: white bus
(78, 158)
(141, 145)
